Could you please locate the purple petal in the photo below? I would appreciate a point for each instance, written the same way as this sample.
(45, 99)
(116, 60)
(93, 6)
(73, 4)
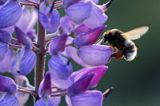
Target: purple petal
(6, 62)
(96, 18)
(89, 38)
(81, 30)
(95, 55)
(61, 66)
(45, 86)
(79, 11)
(50, 21)
(45, 102)
(23, 38)
(5, 37)
(44, 7)
(26, 60)
(67, 25)
(81, 85)
(9, 100)
(95, 1)
(68, 3)
(56, 100)
(89, 98)
(61, 70)
(72, 53)
(8, 29)
(3, 50)
(98, 72)
(32, 34)
(61, 83)
(2, 1)
(27, 20)
(55, 20)
(10, 12)
(7, 85)
(57, 44)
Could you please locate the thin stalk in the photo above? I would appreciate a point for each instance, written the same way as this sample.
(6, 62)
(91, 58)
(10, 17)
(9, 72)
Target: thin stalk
(59, 94)
(59, 91)
(15, 46)
(29, 4)
(40, 65)
(27, 91)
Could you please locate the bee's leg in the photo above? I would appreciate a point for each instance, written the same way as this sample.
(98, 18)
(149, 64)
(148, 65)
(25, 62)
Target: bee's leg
(118, 55)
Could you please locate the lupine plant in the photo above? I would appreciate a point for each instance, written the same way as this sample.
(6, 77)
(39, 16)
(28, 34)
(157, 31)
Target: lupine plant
(47, 36)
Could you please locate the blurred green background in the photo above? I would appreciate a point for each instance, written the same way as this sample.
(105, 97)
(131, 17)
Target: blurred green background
(135, 83)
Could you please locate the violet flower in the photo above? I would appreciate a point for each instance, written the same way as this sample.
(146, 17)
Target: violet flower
(10, 95)
(8, 91)
(71, 52)
(23, 82)
(5, 37)
(10, 62)
(26, 58)
(86, 12)
(89, 37)
(45, 91)
(99, 54)
(78, 95)
(91, 55)
(8, 10)
(34, 35)
(60, 69)
(6, 62)
(29, 19)
(67, 25)
(98, 71)
(82, 30)
(49, 17)
(24, 62)
(23, 38)
(6, 54)
(89, 98)
(57, 44)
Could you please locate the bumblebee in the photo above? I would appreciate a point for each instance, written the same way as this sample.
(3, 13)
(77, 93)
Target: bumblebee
(122, 42)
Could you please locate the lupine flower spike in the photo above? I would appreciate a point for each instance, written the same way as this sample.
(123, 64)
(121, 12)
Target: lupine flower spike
(50, 37)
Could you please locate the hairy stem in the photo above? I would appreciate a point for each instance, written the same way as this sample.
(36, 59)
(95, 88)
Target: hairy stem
(40, 66)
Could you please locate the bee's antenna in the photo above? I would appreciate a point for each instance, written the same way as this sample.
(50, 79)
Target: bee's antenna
(107, 92)
(109, 3)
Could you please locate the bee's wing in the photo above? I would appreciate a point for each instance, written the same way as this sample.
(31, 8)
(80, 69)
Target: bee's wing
(136, 33)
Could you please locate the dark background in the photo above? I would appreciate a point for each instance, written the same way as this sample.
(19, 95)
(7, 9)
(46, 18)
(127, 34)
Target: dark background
(135, 83)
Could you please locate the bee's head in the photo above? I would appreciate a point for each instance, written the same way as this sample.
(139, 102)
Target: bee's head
(107, 35)
(111, 34)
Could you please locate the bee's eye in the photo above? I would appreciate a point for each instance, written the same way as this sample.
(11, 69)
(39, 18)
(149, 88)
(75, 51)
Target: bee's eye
(105, 38)
(109, 33)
